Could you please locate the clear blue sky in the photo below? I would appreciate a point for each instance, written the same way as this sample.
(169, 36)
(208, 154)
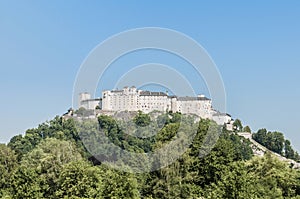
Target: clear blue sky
(255, 44)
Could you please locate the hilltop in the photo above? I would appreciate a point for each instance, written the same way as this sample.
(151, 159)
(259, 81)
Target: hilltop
(51, 161)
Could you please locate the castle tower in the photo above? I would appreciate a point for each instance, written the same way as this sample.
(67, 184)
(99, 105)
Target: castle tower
(82, 97)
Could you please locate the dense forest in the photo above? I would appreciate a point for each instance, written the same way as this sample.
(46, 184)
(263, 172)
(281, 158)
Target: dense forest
(53, 161)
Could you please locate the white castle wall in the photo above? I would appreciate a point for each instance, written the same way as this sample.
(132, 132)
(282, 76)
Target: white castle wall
(131, 99)
(86, 102)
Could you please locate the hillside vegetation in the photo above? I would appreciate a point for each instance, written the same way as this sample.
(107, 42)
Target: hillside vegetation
(51, 161)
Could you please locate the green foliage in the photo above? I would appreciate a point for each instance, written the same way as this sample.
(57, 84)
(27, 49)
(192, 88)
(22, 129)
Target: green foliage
(265, 177)
(241, 146)
(56, 128)
(119, 137)
(237, 125)
(25, 182)
(289, 152)
(234, 182)
(48, 159)
(274, 178)
(191, 175)
(82, 112)
(79, 179)
(247, 129)
(20, 145)
(8, 162)
(276, 142)
(175, 117)
(51, 162)
(167, 133)
(163, 120)
(119, 185)
(142, 119)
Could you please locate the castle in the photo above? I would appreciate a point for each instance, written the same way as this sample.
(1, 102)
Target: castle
(132, 99)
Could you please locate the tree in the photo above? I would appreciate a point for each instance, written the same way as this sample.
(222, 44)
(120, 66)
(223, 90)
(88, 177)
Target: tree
(260, 136)
(274, 178)
(167, 133)
(163, 120)
(20, 145)
(242, 146)
(47, 162)
(25, 182)
(288, 151)
(247, 129)
(55, 128)
(8, 162)
(79, 179)
(235, 182)
(119, 185)
(274, 141)
(237, 125)
(176, 117)
(142, 119)
(48, 159)
(81, 111)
